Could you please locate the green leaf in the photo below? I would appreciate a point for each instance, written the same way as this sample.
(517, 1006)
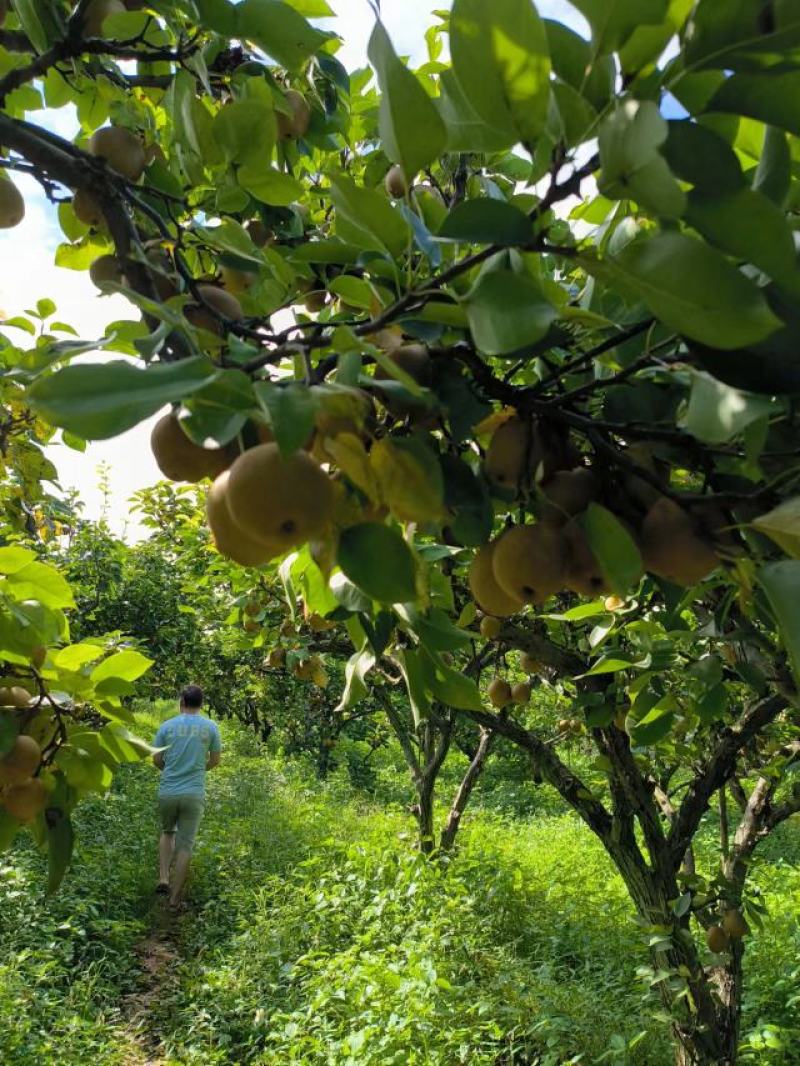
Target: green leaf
(502, 64)
(42, 583)
(770, 98)
(614, 548)
(700, 156)
(355, 672)
(692, 288)
(773, 175)
(577, 66)
(434, 628)
(449, 686)
(245, 130)
(14, 559)
(469, 506)
(655, 725)
(291, 412)
(613, 21)
(410, 127)
(507, 312)
(487, 221)
(268, 185)
(632, 168)
(413, 672)
(718, 413)
(744, 224)
(713, 704)
(100, 400)
(646, 43)
(123, 665)
(466, 130)
(279, 30)
(367, 218)
(60, 842)
(781, 583)
(76, 655)
(37, 22)
(378, 561)
(782, 524)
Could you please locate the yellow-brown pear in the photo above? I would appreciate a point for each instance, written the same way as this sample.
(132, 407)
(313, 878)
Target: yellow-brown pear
(529, 562)
(96, 14)
(395, 182)
(583, 573)
(21, 762)
(180, 459)
(12, 205)
(25, 800)
(230, 540)
(671, 546)
(296, 123)
(486, 592)
(121, 149)
(568, 492)
(499, 692)
(286, 501)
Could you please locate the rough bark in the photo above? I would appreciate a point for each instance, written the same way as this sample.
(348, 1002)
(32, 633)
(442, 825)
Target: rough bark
(462, 796)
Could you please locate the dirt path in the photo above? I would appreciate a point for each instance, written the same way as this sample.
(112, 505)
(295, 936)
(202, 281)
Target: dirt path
(158, 954)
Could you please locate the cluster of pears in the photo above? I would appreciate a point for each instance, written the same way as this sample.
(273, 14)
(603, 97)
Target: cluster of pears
(502, 693)
(261, 504)
(22, 794)
(308, 668)
(528, 563)
(124, 153)
(732, 927)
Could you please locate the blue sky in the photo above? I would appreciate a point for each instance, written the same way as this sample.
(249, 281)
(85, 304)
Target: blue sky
(29, 272)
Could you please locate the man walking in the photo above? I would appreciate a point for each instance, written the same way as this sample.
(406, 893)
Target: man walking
(192, 746)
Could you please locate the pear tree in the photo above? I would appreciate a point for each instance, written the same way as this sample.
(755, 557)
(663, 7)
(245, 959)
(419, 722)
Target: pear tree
(511, 336)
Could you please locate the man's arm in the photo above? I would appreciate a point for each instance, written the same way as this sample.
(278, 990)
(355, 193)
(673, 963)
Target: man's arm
(213, 760)
(158, 759)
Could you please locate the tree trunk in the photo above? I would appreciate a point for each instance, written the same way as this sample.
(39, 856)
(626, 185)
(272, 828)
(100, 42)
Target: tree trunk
(425, 787)
(461, 798)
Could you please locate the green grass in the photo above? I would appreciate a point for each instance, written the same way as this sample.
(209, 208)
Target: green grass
(318, 937)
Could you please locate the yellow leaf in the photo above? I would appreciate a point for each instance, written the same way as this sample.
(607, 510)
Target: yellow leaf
(411, 488)
(348, 452)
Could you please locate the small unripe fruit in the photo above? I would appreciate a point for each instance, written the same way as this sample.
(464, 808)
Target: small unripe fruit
(12, 205)
(734, 925)
(395, 182)
(258, 232)
(528, 664)
(38, 656)
(251, 625)
(499, 692)
(277, 658)
(225, 303)
(121, 149)
(15, 696)
(490, 627)
(252, 607)
(613, 603)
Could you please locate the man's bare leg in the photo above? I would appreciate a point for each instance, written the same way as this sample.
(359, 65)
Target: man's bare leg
(179, 875)
(166, 849)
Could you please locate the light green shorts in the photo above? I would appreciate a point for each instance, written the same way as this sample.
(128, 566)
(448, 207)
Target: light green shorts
(181, 815)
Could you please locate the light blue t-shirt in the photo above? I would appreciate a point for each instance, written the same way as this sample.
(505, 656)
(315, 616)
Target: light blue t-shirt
(188, 738)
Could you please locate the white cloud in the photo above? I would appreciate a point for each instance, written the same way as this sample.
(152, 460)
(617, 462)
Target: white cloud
(29, 272)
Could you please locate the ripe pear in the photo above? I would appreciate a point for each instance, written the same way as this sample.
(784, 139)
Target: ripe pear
(583, 573)
(104, 269)
(230, 540)
(288, 628)
(717, 939)
(511, 454)
(162, 272)
(236, 281)
(414, 359)
(180, 459)
(15, 696)
(252, 607)
(499, 693)
(96, 14)
(250, 625)
(21, 762)
(529, 562)
(87, 209)
(38, 656)
(315, 301)
(224, 303)
(734, 925)
(319, 677)
(25, 800)
(296, 123)
(568, 492)
(395, 182)
(490, 627)
(121, 149)
(486, 592)
(318, 624)
(671, 546)
(613, 603)
(283, 501)
(521, 692)
(12, 205)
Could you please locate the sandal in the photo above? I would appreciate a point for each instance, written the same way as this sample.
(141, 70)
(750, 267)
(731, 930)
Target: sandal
(162, 888)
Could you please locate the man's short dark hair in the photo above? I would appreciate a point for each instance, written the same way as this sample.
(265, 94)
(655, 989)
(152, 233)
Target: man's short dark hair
(192, 696)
